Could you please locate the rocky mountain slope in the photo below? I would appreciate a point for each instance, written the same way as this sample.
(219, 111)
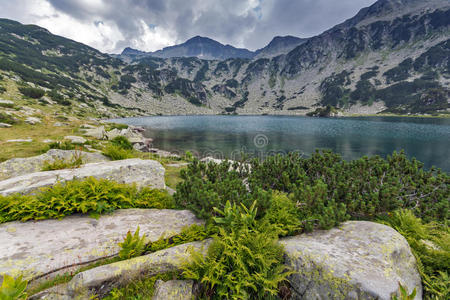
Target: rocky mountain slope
(200, 47)
(279, 45)
(391, 57)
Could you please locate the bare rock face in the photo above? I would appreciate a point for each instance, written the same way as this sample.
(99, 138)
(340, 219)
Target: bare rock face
(138, 171)
(359, 260)
(173, 290)
(20, 166)
(44, 248)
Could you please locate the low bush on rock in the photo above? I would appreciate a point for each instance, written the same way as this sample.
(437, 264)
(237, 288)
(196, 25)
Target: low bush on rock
(244, 261)
(122, 142)
(91, 196)
(430, 244)
(133, 245)
(115, 152)
(64, 145)
(285, 195)
(31, 92)
(58, 164)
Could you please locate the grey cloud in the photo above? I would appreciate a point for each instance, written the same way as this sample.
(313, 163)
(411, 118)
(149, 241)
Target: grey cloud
(234, 22)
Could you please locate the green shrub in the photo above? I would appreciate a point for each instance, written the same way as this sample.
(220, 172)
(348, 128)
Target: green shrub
(132, 246)
(122, 142)
(4, 118)
(64, 145)
(140, 289)
(31, 92)
(243, 262)
(211, 185)
(404, 295)
(58, 164)
(116, 152)
(430, 244)
(283, 214)
(90, 196)
(13, 288)
(117, 126)
(6, 105)
(188, 234)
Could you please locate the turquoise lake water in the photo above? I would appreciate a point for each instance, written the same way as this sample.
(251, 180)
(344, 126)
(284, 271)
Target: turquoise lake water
(427, 139)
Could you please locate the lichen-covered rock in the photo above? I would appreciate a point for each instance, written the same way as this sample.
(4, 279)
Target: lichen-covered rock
(36, 248)
(33, 120)
(20, 166)
(173, 290)
(359, 260)
(101, 280)
(96, 132)
(75, 139)
(138, 171)
(58, 292)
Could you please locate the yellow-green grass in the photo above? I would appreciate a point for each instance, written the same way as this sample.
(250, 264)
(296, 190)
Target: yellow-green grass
(38, 133)
(173, 176)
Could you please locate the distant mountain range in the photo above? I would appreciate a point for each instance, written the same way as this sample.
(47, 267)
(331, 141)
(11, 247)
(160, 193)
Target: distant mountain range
(393, 56)
(209, 49)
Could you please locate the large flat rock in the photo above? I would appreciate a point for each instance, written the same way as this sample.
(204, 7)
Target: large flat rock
(138, 171)
(101, 280)
(41, 247)
(359, 260)
(20, 166)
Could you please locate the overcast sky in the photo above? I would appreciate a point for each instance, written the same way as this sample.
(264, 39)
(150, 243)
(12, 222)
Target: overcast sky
(111, 25)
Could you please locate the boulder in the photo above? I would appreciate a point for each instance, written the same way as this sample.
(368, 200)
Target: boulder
(50, 247)
(359, 260)
(75, 139)
(162, 153)
(20, 141)
(138, 171)
(33, 120)
(173, 290)
(58, 292)
(6, 102)
(20, 166)
(97, 132)
(4, 125)
(101, 280)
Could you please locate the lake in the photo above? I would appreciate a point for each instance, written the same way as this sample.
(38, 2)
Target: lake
(427, 139)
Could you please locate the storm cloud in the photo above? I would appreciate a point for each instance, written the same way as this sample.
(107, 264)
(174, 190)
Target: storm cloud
(149, 25)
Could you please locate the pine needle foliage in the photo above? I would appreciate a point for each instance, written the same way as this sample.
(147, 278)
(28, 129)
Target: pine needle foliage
(206, 186)
(90, 196)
